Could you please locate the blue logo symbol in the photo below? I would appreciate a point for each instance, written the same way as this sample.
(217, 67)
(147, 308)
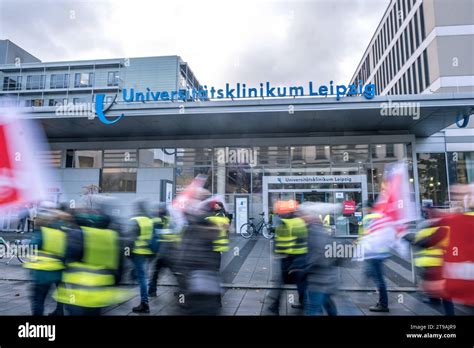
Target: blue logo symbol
(464, 119)
(100, 111)
(279, 180)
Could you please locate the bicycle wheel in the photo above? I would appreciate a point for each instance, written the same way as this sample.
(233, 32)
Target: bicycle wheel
(268, 231)
(21, 246)
(247, 230)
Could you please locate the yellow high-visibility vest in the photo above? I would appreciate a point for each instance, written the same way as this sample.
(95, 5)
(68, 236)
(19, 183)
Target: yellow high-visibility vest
(221, 243)
(51, 255)
(91, 282)
(291, 237)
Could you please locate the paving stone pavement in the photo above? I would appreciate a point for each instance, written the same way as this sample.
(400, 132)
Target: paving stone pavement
(14, 300)
(249, 271)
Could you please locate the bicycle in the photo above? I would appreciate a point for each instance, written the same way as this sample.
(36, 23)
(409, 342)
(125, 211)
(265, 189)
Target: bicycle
(13, 251)
(249, 229)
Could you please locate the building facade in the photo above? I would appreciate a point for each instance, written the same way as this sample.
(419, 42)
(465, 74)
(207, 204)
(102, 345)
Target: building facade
(257, 151)
(425, 47)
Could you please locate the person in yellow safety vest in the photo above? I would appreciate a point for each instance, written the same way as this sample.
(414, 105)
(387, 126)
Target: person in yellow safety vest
(48, 263)
(93, 266)
(291, 237)
(145, 247)
(326, 221)
(431, 241)
(168, 242)
(221, 220)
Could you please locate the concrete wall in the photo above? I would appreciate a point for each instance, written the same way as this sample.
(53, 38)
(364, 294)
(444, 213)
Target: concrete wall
(72, 182)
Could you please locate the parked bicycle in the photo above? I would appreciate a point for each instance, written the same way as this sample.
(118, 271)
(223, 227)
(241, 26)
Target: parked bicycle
(250, 228)
(14, 249)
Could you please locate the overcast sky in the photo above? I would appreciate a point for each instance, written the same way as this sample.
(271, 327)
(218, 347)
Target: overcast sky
(285, 42)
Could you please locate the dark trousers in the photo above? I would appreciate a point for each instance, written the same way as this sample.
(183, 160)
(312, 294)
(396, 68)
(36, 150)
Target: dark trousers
(315, 302)
(202, 304)
(21, 224)
(375, 272)
(38, 297)
(83, 311)
(161, 262)
(290, 274)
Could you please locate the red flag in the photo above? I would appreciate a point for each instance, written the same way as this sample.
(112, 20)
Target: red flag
(9, 194)
(187, 196)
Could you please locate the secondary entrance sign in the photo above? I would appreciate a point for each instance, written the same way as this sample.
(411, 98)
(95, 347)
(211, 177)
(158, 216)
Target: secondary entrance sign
(294, 181)
(241, 212)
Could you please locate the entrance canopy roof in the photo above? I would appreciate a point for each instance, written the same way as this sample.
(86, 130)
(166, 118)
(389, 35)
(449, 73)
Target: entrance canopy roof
(427, 114)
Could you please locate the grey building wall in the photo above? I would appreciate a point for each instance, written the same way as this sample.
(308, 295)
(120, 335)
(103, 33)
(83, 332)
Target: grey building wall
(9, 52)
(451, 56)
(448, 12)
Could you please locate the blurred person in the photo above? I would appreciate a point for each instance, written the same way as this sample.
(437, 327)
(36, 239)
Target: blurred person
(47, 266)
(220, 219)
(457, 280)
(375, 254)
(168, 242)
(320, 269)
(431, 240)
(291, 245)
(32, 212)
(145, 247)
(94, 265)
(23, 214)
(198, 260)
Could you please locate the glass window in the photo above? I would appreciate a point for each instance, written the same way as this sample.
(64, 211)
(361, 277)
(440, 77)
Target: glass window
(119, 180)
(304, 155)
(185, 175)
(34, 102)
(461, 167)
(157, 157)
(80, 100)
(358, 153)
(194, 156)
(120, 158)
(51, 158)
(59, 81)
(273, 155)
(113, 78)
(236, 156)
(83, 80)
(11, 83)
(55, 102)
(432, 178)
(388, 152)
(35, 81)
(83, 159)
(232, 179)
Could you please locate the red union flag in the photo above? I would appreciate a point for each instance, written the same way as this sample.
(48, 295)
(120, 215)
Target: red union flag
(185, 198)
(395, 201)
(9, 194)
(21, 177)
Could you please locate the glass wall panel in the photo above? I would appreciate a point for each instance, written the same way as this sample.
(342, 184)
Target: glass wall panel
(156, 157)
(118, 180)
(432, 178)
(461, 167)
